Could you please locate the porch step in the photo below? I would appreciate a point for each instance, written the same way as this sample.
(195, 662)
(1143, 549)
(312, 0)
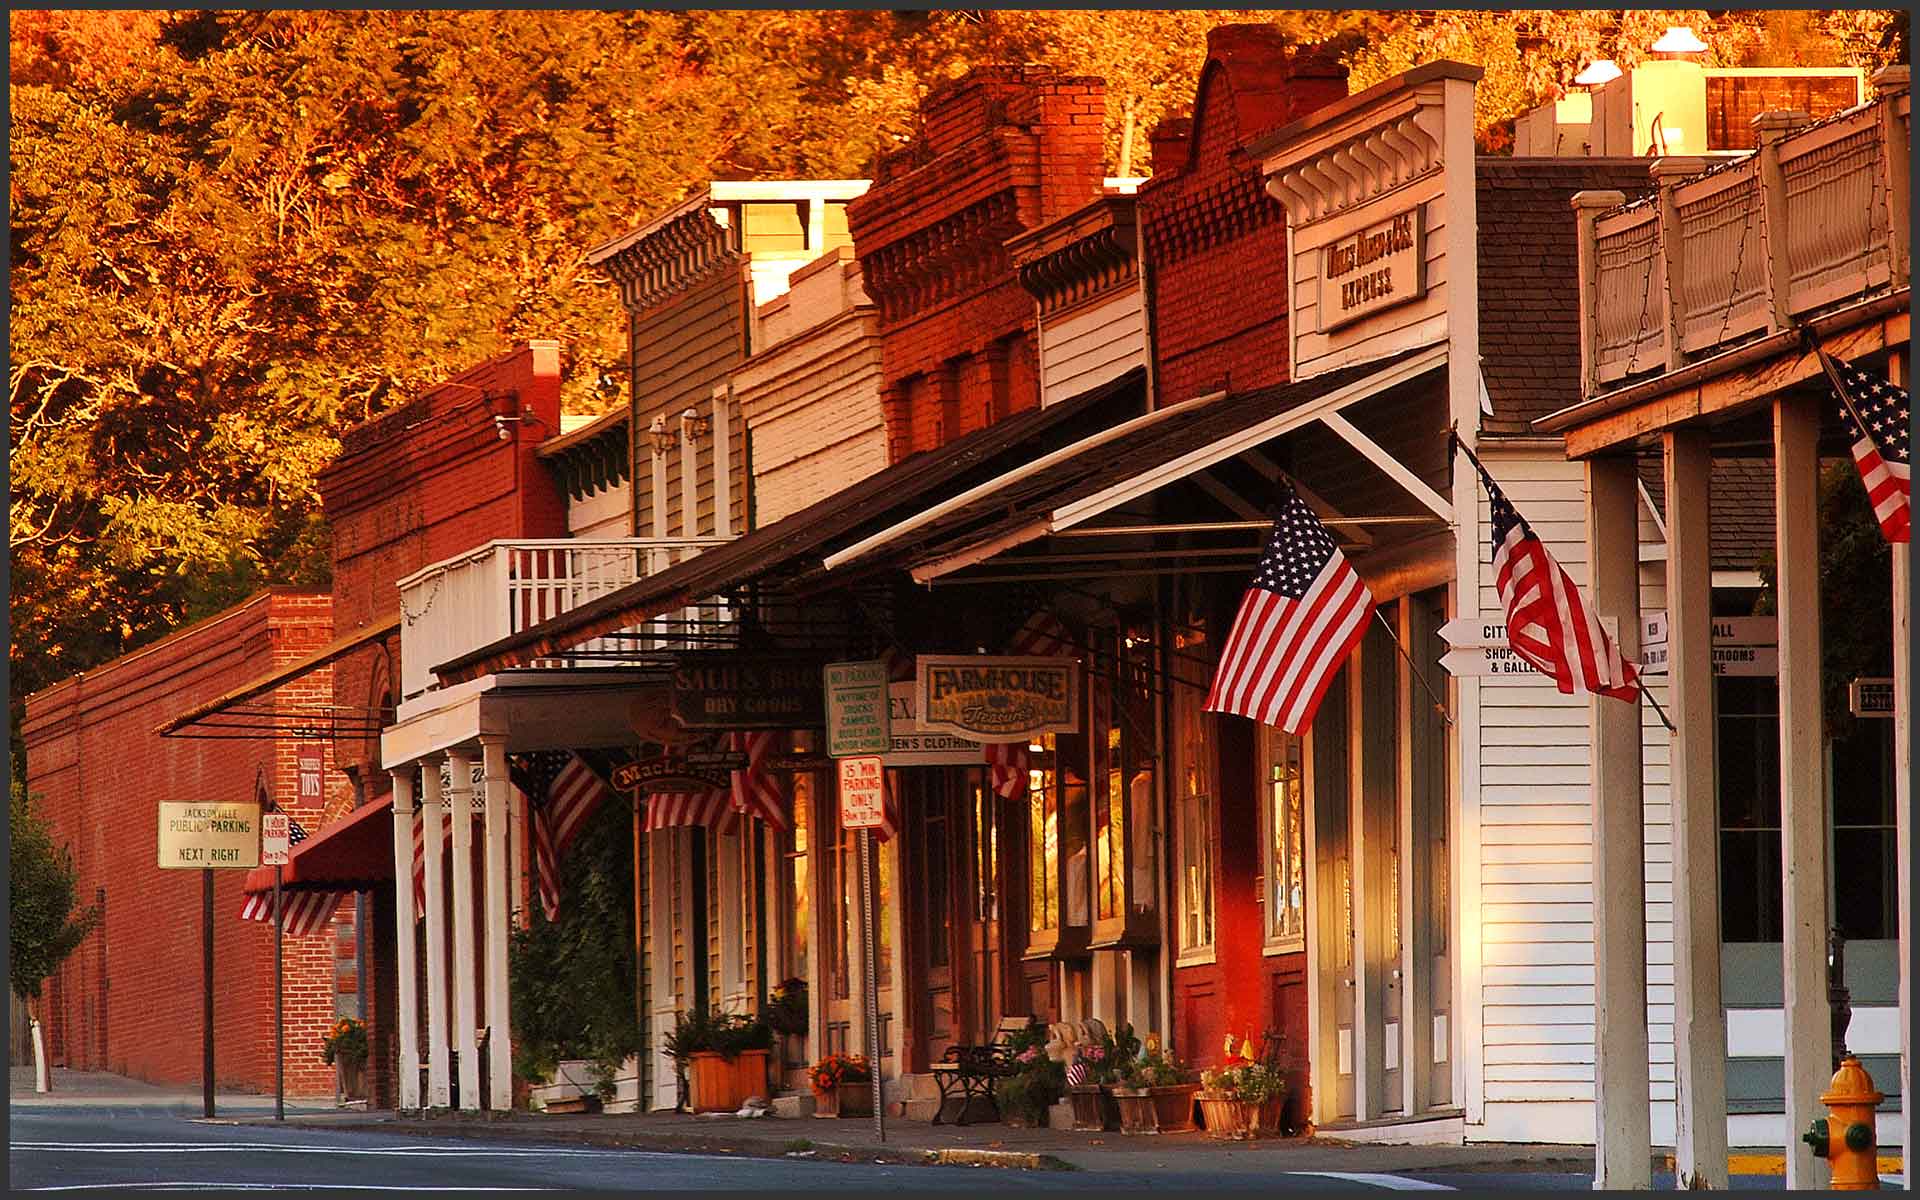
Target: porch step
(1446, 1127)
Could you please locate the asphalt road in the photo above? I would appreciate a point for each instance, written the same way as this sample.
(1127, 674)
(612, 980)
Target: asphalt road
(162, 1148)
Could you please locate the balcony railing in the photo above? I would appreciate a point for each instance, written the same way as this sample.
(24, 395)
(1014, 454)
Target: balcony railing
(500, 588)
(1815, 217)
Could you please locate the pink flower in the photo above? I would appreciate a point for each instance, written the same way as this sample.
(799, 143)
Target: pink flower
(1030, 1054)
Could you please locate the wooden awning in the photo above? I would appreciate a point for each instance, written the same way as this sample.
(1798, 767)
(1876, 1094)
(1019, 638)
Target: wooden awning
(344, 644)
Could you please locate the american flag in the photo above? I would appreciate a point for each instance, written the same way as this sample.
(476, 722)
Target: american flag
(1548, 621)
(1877, 414)
(752, 791)
(302, 912)
(1303, 614)
(1008, 762)
(562, 791)
(420, 855)
(713, 809)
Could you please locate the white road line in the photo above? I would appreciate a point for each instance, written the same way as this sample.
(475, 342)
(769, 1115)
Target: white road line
(429, 1151)
(200, 1186)
(1399, 1183)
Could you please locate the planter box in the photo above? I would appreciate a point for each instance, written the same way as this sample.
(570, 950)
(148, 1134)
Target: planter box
(1157, 1109)
(1230, 1118)
(846, 1100)
(349, 1081)
(722, 1085)
(1094, 1108)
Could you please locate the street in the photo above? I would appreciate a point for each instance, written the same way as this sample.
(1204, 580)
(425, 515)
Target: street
(165, 1147)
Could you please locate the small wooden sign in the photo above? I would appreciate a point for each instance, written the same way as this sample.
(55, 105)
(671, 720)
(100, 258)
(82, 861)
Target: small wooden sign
(1870, 697)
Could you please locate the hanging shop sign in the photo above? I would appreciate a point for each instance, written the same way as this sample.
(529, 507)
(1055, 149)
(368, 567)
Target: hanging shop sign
(311, 774)
(856, 701)
(1372, 268)
(863, 781)
(196, 835)
(1870, 697)
(910, 744)
(997, 698)
(730, 690)
(689, 772)
(1741, 645)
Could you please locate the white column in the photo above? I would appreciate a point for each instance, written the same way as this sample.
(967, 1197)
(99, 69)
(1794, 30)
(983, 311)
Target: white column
(1699, 1021)
(499, 905)
(406, 1002)
(1623, 1125)
(433, 818)
(1803, 797)
(460, 808)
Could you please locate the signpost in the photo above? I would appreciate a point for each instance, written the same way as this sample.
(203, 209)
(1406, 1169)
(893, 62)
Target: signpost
(209, 836)
(276, 842)
(862, 796)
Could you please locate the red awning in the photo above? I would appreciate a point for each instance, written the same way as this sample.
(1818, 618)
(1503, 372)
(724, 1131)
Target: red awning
(354, 852)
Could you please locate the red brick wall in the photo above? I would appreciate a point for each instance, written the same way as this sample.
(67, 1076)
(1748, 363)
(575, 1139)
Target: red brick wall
(1216, 242)
(129, 999)
(1003, 149)
(425, 482)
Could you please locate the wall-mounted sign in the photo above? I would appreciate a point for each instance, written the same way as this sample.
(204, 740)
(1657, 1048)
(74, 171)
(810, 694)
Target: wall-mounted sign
(1870, 697)
(912, 745)
(674, 773)
(196, 835)
(1373, 268)
(1741, 645)
(311, 773)
(856, 698)
(987, 698)
(863, 782)
(729, 690)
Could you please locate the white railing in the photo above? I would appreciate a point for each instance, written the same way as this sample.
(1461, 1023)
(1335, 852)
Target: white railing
(503, 587)
(1815, 217)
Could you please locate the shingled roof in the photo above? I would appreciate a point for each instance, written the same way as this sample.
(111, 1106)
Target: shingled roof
(1741, 494)
(1530, 278)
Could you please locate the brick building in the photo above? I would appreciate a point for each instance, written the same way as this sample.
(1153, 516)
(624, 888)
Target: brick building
(129, 998)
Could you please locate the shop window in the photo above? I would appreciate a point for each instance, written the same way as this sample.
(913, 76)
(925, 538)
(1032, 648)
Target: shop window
(986, 850)
(1283, 833)
(796, 905)
(1861, 769)
(934, 878)
(1748, 728)
(1194, 794)
(1121, 687)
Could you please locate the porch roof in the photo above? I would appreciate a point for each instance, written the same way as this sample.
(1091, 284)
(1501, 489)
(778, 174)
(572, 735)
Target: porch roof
(804, 536)
(1101, 473)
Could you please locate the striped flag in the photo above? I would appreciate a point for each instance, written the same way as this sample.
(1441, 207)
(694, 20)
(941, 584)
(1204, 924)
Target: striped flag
(1007, 762)
(1877, 416)
(755, 790)
(1548, 621)
(714, 809)
(420, 855)
(1304, 612)
(302, 912)
(562, 791)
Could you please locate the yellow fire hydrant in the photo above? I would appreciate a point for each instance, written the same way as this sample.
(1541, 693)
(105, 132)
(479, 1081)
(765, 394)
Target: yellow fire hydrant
(1846, 1137)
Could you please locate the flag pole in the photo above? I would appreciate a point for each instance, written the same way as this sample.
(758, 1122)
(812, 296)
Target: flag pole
(1657, 710)
(1439, 705)
(1833, 377)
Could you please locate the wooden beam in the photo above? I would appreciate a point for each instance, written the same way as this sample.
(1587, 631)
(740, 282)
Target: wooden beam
(1623, 1135)
(1803, 794)
(1699, 1022)
(1725, 394)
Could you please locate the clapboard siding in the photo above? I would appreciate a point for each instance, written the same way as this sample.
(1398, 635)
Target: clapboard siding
(680, 350)
(1536, 857)
(1093, 344)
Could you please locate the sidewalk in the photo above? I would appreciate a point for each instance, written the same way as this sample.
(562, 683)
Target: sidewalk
(985, 1144)
(83, 1089)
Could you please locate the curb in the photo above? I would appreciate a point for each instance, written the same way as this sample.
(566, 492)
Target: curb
(757, 1147)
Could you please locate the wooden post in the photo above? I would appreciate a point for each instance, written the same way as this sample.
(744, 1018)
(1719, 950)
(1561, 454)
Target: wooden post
(465, 1037)
(497, 901)
(1803, 798)
(1769, 129)
(1623, 1136)
(1587, 207)
(1699, 1021)
(1898, 371)
(433, 824)
(406, 1001)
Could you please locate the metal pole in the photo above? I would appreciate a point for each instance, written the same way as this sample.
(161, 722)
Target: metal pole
(206, 1000)
(279, 1008)
(872, 956)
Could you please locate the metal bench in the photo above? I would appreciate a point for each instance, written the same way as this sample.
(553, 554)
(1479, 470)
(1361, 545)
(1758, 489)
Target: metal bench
(973, 1070)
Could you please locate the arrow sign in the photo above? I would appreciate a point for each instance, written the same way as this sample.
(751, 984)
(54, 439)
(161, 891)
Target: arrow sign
(1473, 661)
(1488, 629)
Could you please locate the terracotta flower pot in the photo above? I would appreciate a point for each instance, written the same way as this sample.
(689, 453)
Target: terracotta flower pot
(1227, 1117)
(1173, 1106)
(349, 1081)
(827, 1103)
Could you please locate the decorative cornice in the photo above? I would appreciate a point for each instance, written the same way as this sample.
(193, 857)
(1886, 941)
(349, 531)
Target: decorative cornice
(601, 459)
(960, 254)
(1079, 257)
(1377, 160)
(1231, 207)
(673, 257)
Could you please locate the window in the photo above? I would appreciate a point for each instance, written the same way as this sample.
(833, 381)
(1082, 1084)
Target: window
(1284, 869)
(1749, 757)
(986, 849)
(1043, 845)
(793, 846)
(1121, 701)
(1193, 799)
(1862, 774)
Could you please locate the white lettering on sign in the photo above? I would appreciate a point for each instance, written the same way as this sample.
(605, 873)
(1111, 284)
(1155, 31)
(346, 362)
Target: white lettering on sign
(1371, 269)
(276, 839)
(312, 774)
(863, 781)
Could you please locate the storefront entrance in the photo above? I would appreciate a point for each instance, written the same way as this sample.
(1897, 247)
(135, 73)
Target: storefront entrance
(956, 834)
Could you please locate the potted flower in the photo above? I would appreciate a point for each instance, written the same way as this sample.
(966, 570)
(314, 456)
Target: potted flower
(724, 1056)
(842, 1086)
(1155, 1092)
(786, 1010)
(345, 1049)
(1092, 1069)
(1036, 1084)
